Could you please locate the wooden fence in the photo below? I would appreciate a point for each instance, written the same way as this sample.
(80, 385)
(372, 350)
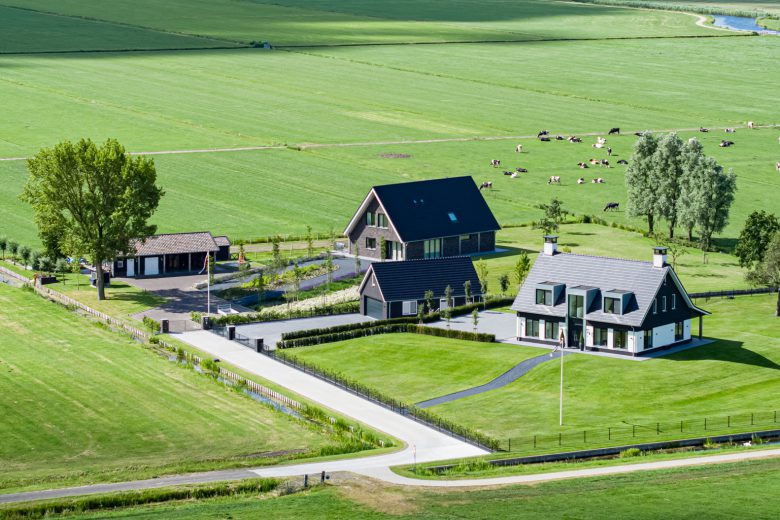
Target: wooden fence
(142, 335)
(733, 292)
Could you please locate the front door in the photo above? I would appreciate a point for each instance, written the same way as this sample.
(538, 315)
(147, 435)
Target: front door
(130, 267)
(576, 338)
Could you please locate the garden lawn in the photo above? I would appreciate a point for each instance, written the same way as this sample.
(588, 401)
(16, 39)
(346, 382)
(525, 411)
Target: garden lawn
(413, 367)
(723, 491)
(83, 404)
(736, 375)
(721, 272)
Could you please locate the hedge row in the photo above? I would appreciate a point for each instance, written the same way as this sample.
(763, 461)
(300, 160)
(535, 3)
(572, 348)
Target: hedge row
(427, 318)
(385, 329)
(237, 319)
(135, 498)
(370, 393)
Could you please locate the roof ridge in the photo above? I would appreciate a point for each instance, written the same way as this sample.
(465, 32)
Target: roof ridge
(422, 181)
(603, 256)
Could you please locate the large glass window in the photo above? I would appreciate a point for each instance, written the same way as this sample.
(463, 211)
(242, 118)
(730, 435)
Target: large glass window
(679, 330)
(620, 339)
(648, 339)
(544, 297)
(576, 306)
(370, 219)
(409, 308)
(600, 335)
(370, 243)
(532, 328)
(432, 248)
(381, 220)
(550, 330)
(612, 306)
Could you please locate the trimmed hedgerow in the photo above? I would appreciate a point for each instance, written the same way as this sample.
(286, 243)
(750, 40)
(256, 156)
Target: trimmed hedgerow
(412, 328)
(238, 319)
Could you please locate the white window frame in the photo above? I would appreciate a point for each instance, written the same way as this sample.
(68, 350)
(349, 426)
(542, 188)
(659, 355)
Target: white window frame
(663, 303)
(369, 247)
(381, 222)
(674, 301)
(409, 308)
(370, 219)
(443, 304)
(120, 264)
(655, 305)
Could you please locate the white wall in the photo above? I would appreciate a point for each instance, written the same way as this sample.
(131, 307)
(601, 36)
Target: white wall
(610, 338)
(687, 330)
(589, 335)
(639, 341)
(520, 327)
(541, 329)
(663, 335)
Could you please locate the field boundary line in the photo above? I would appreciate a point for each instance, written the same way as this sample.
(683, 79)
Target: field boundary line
(306, 146)
(115, 23)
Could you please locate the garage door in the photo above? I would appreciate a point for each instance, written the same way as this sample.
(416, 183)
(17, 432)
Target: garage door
(374, 308)
(151, 266)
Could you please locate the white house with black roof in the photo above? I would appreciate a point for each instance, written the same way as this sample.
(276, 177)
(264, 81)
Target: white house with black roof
(423, 219)
(169, 255)
(396, 289)
(599, 303)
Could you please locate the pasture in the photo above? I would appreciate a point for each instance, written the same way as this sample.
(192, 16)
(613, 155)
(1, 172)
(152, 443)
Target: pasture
(77, 406)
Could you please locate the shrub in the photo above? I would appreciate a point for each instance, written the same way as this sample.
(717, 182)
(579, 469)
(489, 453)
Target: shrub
(196, 316)
(210, 367)
(237, 319)
(630, 452)
(152, 325)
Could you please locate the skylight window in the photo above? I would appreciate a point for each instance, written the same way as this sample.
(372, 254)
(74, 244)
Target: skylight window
(453, 217)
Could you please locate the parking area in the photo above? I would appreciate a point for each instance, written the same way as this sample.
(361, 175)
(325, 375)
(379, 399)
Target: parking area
(272, 331)
(502, 324)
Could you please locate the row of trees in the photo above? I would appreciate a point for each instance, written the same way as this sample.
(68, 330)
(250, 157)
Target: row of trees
(673, 180)
(33, 259)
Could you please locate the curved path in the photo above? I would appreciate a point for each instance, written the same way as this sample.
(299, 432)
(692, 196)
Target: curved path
(511, 375)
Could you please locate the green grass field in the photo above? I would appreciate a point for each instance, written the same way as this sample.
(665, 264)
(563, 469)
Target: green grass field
(430, 367)
(719, 492)
(77, 406)
(727, 6)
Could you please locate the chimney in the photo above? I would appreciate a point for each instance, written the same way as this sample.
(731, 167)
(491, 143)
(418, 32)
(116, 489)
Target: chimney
(550, 245)
(659, 256)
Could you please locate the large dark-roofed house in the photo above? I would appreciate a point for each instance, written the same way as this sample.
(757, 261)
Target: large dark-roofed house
(423, 219)
(604, 304)
(166, 255)
(396, 289)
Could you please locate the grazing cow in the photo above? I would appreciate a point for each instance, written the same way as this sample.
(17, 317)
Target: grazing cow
(521, 170)
(602, 140)
(639, 134)
(600, 181)
(605, 162)
(612, 206)
(486, 184)
(582, 165)
(622, 161)
(725, 144)
(609, 151)
(495, 163)
(594, 161)
(580, 181)
(777, 166)
(554, 179)
(574, 139)
(750, 124)
(598, 145)
(519, 148)
(559, 138)
(702, 129)
(544, 139)
(729, 130)
(542, 132)
(508, 173)
(514, 175)
(614, 131)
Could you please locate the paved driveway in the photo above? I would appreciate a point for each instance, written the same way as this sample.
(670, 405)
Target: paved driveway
(502, 324)
(271, 331)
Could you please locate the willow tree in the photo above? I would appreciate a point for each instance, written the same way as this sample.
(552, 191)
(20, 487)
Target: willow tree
(98, 198)
(641, 186)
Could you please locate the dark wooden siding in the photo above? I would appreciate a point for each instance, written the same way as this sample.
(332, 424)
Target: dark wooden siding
(681, 313)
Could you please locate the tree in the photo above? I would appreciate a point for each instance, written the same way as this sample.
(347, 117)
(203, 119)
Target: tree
(332, 235)
(357, 259)
(260, 283)
(717, 194)
(13, 248)
(503, 283)
(767, 272)
(329, 267)
(382, 249)
(75, 266)
(553, 216)
(475, 319)
(467, 290)
(674, 249)
(309, 242)
(61, 267)
(276, 255)
(641, 189)
(482, 274)
(448, 310)
(690, 199)
(46, 264)
(522, 268)
(242, 264)
(35, 261)
(420, 313)
(758, 231)
(429, 300)
(99, 198)
(3, 245)
(667, 176)
(24, 255)
(297, 276)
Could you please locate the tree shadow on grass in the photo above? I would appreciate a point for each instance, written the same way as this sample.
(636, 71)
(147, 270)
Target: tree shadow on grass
(725, 350)
(506, 251)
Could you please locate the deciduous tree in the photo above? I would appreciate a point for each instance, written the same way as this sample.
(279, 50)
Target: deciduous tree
(3, 245)
(98, 197)
(667, 176)
(767, 272)
(522, 268)
(717, 194)
(553, 216)
(641, 189)
(758, 231)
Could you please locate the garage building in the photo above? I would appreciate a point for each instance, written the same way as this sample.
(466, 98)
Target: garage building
(167, 255)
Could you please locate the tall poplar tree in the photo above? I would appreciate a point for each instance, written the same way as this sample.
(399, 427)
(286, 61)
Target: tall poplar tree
(640, 181)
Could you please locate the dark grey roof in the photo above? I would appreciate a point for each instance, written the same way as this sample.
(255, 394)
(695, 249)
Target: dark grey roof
(222, 241)
(409, 279)
(436, 208)
(606, 274)
(176, 243)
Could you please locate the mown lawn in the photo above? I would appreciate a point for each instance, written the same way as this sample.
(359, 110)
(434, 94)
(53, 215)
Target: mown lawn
(723, 491)
(412, 367)
(736, 375)
(84, 404)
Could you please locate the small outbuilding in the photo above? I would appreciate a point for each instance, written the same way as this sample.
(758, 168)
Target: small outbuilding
(223, 243)
(397, 289)
(167, 255)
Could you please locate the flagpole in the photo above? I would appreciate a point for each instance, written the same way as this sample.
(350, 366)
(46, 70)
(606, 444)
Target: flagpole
(208, 284)
(560, 418)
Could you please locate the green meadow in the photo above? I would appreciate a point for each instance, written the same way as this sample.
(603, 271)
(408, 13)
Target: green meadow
(77, 407)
